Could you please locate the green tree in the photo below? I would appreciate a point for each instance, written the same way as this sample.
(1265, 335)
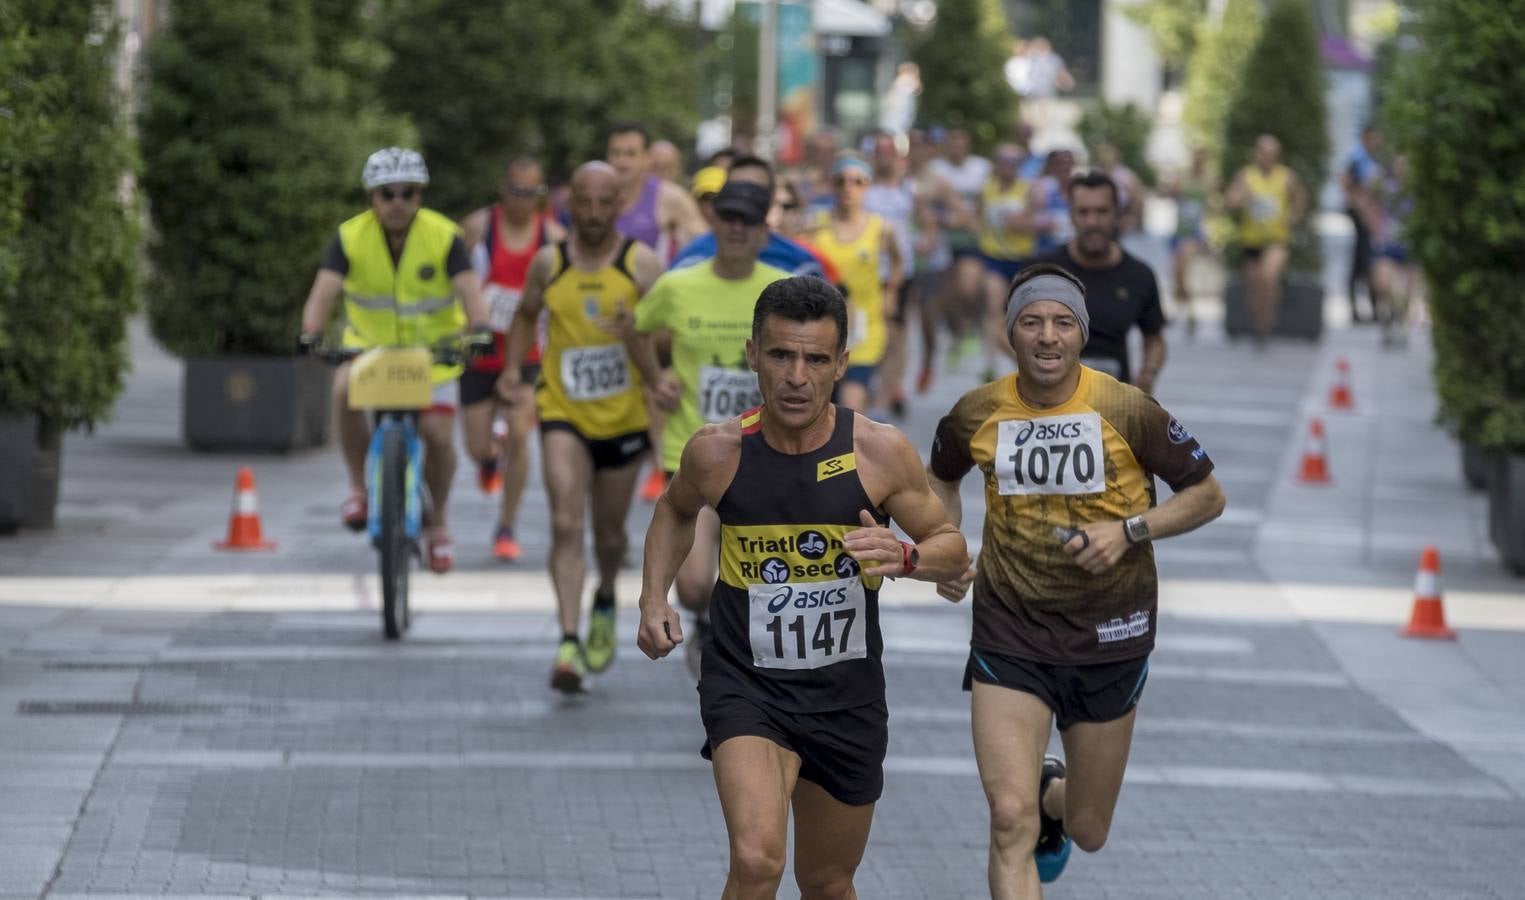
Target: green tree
(1282, 94)
(1450, 106)
(1175, 27)
(961, 57)
(484, 80)
(247, 176)
(1217, 68)
(1125, 127)
(68, 233)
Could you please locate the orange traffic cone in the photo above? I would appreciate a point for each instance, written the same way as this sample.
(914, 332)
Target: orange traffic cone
(1340, 396)
(243, 526)
(1314, 468)
(1428, 618)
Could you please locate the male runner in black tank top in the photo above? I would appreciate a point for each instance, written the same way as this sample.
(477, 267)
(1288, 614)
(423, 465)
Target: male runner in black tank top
(792, 691)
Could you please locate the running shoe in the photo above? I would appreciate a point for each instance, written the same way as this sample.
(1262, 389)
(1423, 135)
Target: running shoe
(441, 553)
(504, 546)
(489, 479)
(601, 640)
(354, 511)
(693, 644)
(1054, 846)
(655, 484)
(570, 669)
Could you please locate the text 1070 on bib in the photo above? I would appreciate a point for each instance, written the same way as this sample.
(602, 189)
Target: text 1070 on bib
(1051, 455)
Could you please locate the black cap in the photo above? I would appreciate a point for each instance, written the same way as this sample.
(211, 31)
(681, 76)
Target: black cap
(744, 199)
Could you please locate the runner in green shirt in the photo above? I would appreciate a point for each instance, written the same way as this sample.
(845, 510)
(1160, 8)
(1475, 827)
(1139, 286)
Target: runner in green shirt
(705, 312)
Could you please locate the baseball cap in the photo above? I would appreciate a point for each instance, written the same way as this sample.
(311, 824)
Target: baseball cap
(749, 201)
(707, 180)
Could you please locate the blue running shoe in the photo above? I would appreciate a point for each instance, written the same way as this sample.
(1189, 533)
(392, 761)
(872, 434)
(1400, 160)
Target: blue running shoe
(1054, 846)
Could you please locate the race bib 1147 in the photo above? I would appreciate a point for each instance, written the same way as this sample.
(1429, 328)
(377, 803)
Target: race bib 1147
(807, 625)
(1051, 455)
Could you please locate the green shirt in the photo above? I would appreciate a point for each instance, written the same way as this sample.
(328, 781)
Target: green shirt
(710, 319)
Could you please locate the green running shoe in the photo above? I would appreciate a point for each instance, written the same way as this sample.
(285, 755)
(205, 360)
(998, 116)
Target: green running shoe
(570, 669)
(600, 651)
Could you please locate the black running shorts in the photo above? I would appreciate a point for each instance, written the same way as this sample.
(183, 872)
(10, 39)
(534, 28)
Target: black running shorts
(478, 386)
(842, 750)
(1095, 693)
(607, 453)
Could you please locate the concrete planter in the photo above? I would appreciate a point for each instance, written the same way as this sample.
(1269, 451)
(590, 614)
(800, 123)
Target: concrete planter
(1301, 313)
(30, 451)
(1506, 509)
(1474, 466)
(255, 403)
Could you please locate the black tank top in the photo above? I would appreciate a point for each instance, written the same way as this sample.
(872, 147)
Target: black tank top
(792, 616)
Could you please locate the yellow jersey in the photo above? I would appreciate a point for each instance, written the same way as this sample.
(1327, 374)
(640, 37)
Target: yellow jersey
(857, 263)
(1267, 216)
(586, 378)
(996, 240)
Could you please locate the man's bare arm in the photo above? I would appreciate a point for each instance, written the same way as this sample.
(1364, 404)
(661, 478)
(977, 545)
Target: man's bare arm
(897, 469)
(321, 300)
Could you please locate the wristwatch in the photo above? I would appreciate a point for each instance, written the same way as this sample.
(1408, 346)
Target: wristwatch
(908, 558)
(1136, 529)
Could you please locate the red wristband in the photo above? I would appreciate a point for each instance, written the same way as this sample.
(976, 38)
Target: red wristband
(908, 558)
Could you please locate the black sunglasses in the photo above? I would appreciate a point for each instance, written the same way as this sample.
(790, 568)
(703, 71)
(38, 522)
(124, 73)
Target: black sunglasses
(526, 193)
(407, 193)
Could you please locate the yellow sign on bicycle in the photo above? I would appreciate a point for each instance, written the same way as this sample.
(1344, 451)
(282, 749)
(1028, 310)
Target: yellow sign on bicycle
(391, 378)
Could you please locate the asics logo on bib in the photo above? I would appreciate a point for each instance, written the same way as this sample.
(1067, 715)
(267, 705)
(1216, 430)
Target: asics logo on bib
(808, 596)
(1048, 431)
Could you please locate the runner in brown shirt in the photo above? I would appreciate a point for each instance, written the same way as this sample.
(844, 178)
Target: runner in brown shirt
(1065, 592)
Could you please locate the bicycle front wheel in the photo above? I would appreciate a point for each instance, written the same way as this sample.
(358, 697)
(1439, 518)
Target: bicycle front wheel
(393, 548)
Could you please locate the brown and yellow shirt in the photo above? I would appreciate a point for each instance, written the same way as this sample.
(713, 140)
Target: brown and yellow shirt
(1090, 459)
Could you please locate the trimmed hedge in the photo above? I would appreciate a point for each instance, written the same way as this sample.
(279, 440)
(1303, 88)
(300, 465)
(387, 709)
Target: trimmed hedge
(1217, 68)
(485, 81)
(1453, 105)
(68, 233)
(1125, 127)
(253, 157)
(962, 57)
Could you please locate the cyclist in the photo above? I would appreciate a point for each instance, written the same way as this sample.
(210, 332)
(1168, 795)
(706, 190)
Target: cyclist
(592, 415)
(406, 278)
(792, 692)
(504, 238)
(704, 312)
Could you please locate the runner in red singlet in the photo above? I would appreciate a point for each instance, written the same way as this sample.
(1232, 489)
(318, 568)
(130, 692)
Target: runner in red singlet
(503, 239)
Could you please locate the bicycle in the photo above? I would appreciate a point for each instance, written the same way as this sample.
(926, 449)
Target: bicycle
(394, 385)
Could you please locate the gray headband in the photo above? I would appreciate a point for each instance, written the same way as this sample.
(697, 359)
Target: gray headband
(1049, 287)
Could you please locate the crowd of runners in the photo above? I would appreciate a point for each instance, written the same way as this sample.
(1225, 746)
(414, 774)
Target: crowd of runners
(735, 350)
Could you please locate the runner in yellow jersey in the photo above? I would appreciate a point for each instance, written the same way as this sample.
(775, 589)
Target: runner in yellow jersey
(704, 312)
(1008, 239)
(1065, 589)
(592, 414)
(853, 240)
(1270, 199)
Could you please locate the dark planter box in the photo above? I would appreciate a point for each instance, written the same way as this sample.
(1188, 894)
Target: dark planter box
(1301, 313)
(30, 450)
(1506, 508)
(256, 403)
(1474, 466)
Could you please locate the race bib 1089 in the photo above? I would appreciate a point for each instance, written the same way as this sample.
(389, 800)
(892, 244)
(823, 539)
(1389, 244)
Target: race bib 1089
(807, 625)
(726, 393)
(593, 373)
(1051, 455)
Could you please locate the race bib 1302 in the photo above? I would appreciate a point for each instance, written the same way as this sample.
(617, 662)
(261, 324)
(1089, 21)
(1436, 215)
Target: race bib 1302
(593, 373)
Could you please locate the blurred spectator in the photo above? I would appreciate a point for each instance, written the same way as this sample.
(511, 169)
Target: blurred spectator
(1360, 169)
(667, 162)
(1130, 189)
(1193, 191)
(897, 111)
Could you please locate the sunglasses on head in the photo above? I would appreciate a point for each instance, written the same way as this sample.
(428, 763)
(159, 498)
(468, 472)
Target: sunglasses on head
(407, 193)
(526, 193)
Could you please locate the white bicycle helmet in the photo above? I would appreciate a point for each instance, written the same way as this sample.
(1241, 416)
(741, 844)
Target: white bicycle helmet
(394, 165)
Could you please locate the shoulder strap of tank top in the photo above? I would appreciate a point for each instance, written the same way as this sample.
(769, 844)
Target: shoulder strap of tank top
(622, 259)
(491, 237)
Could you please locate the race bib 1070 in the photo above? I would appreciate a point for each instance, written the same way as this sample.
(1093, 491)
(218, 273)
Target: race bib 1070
(593, 373)
(807, 625)
(1051, 455)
